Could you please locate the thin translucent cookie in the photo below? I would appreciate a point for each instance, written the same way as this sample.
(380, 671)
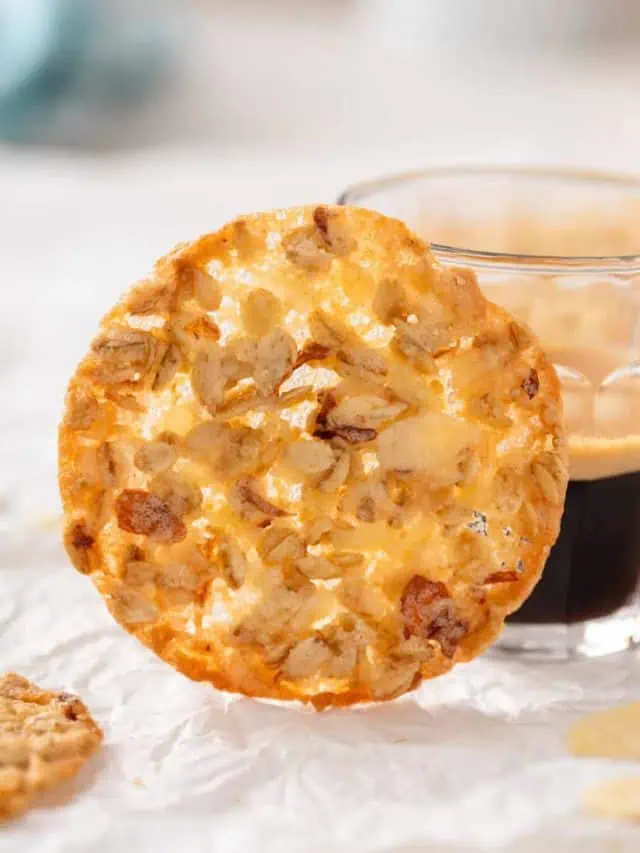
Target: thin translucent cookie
(45, 738)
(302, 461)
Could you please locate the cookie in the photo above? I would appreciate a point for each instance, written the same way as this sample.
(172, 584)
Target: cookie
(45, 738)
(302, 461)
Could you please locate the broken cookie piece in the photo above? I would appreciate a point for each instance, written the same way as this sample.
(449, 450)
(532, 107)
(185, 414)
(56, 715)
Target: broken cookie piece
(45, 738)
(617, 799)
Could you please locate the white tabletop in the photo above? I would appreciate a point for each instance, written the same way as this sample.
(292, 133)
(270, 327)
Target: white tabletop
(474, 762)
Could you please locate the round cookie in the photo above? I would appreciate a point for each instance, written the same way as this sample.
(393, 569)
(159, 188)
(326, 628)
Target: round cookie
(45, 738)
(303, 461)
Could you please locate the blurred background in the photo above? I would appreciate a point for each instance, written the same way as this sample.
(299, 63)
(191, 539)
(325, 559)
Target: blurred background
(129, 125)
(516, 79)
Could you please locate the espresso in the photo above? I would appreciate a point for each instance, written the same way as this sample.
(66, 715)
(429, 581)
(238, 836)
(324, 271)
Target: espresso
(593, 569)
(589, 333)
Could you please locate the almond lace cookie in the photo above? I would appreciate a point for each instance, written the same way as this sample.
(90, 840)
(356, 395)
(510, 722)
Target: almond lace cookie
(45, 738)
(303, 461)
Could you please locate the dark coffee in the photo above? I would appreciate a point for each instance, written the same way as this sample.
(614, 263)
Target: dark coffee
(594, 567)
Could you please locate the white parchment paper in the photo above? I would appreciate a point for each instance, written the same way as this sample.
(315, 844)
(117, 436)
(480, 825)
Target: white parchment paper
(474, 761)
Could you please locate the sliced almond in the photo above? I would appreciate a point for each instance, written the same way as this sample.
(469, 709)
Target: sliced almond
(306, 248)
(310, 457)
(232, 559)
(154, 457)
(281, 543)
(124, 354)
(367, 411)
(250, 505)
(329, 332)
(337, 475)
(80, 544)
(207, 290)
(182, 496)
(131, 607)
(146, 514)
(318, 528)
(335, 233)
(390, 301)
(306, 658)
(318, 568)
(82, 409)
(261, 310)
(549, 476)
(275, 358)
(431, 444)
(208, 378)
(167, 368)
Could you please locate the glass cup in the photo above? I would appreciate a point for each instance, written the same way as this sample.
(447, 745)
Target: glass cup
(561, 250)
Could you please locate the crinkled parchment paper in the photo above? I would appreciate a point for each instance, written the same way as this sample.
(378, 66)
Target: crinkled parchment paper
(475, 761)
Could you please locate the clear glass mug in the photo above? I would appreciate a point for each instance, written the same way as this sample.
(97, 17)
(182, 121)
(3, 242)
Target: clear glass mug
(561, 250)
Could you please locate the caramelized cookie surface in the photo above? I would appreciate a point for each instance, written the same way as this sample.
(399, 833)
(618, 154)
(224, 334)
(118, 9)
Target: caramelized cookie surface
(303, 461)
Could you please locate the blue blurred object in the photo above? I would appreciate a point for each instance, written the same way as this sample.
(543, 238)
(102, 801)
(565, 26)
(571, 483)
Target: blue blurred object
(74, 57)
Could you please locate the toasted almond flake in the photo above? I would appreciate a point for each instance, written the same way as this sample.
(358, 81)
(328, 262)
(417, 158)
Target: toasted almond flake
(128, 402)
(275, 358)
(207, 290)
(232, 559)
(502, 577)
(80, 542)
(390, 301)
(281, 543)
(167, 368)
(82, 409)
(180, 495)
(548, 475)
(334, 232)
(429, 612)
(124, 354)
(246, 500)
(145, 514)
(306, 249)
(318, 528)
(337, 475)
(431, 444)
(350, 434)
(132, 607)
(328, 332)
(208, 378)
(311, 351)
(319, 568)
(261, 310)
(306, 658)
(310, 457)
(152, 297)
(618, 799)
(45, 738)
(531, 384)
(347, 559)
(156, 457)
(612, 733)
(367, 411)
